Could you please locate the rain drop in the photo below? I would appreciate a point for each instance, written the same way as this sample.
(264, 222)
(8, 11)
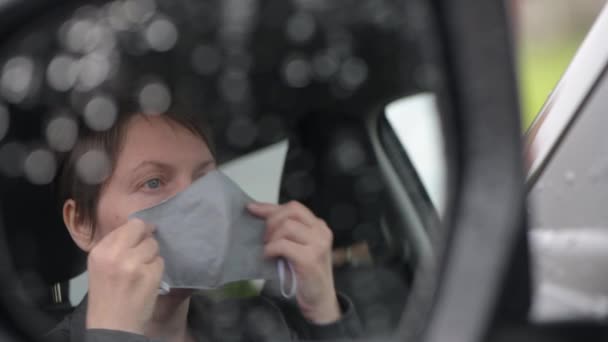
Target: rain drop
(161, 35)
(154, 98)
(93, 167)
(570, 177)
(349, 155)
(94, 70)
(62, 72)
(83, 35)
(61, 133)
(117, 16)
(297, 72)
(234, 85)
(17, 78)
(12, 156)
(300, 27)
(353, 73)
(206, 59)
(324, 66)
(100, 113)
(367, 186)
(40, 167)
(5, 121)
(139, 11)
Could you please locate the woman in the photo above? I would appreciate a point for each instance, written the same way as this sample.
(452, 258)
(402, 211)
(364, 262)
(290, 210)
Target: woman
(151, 158)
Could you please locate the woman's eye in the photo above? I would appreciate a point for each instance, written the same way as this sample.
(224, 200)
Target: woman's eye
(153, 183)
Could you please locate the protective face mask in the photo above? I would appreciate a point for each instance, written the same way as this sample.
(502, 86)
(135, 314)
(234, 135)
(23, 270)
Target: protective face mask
(208, 238)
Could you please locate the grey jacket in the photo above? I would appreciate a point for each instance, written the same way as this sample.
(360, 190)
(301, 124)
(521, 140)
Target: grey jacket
(260, 318)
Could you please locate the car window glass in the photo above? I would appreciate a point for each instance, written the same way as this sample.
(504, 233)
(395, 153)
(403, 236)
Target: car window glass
(416, 122)
(566, 198)
(547, 35)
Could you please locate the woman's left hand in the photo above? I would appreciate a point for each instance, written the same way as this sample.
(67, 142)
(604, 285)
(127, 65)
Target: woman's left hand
(296, 234)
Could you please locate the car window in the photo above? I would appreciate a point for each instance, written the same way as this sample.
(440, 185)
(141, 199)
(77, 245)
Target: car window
(565, 147)
(416, 122)
(547, 35)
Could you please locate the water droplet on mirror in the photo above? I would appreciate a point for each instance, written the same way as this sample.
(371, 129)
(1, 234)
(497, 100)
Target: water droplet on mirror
(40, 167)
(17, 78)
(12, 156)
(367, 186)
(161, 35)
(353, 73)
(93, 167)
(234, 85)
(62, 72)
(93, 69)
(348, 155)
(84, 35)
(570, 177)
(206, 59)
(297, 72)
(61, 133)
(154, 98)
(324, 66)
(5, 121)
(139, 11)
(300, 27)
(100, 113)
(117, 16)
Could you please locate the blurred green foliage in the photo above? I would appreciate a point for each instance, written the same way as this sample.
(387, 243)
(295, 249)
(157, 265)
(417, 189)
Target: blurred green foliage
(540, 68)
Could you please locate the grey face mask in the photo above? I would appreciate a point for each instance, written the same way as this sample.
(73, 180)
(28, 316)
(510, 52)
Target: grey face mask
(208, 238)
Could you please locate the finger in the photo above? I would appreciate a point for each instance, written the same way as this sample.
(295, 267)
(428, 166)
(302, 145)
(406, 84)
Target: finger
(156, 268)
(262, 210)
(292, 251)
(294, 231)
(132, 233)
(147, 251)
(292, 210)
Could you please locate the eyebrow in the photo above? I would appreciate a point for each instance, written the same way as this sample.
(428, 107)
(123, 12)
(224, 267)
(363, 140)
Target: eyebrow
(164, 166)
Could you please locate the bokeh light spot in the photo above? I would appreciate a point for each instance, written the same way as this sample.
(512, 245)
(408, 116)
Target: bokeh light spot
(100, 113)
(154, 98)
(61, 133)
(40, 167)
(93, 167)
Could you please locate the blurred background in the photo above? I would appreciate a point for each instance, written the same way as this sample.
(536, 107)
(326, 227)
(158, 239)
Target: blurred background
(548, 32)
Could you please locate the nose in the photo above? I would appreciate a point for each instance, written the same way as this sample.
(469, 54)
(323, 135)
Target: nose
(183, 183)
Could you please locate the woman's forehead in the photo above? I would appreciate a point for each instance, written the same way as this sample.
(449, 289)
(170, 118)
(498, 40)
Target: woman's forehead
(159, 137)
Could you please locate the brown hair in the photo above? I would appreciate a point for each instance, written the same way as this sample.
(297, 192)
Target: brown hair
(86, 195)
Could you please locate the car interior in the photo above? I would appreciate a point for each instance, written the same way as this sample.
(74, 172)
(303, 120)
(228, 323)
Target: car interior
(343, 158)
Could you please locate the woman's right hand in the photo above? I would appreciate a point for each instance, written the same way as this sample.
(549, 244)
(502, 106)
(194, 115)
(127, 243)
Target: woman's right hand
(125, 271)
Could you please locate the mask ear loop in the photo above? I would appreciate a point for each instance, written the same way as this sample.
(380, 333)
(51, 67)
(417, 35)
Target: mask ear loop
(294, 279)
(164, 288)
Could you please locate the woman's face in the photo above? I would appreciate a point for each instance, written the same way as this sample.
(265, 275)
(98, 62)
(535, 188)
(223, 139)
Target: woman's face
(158, 159)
